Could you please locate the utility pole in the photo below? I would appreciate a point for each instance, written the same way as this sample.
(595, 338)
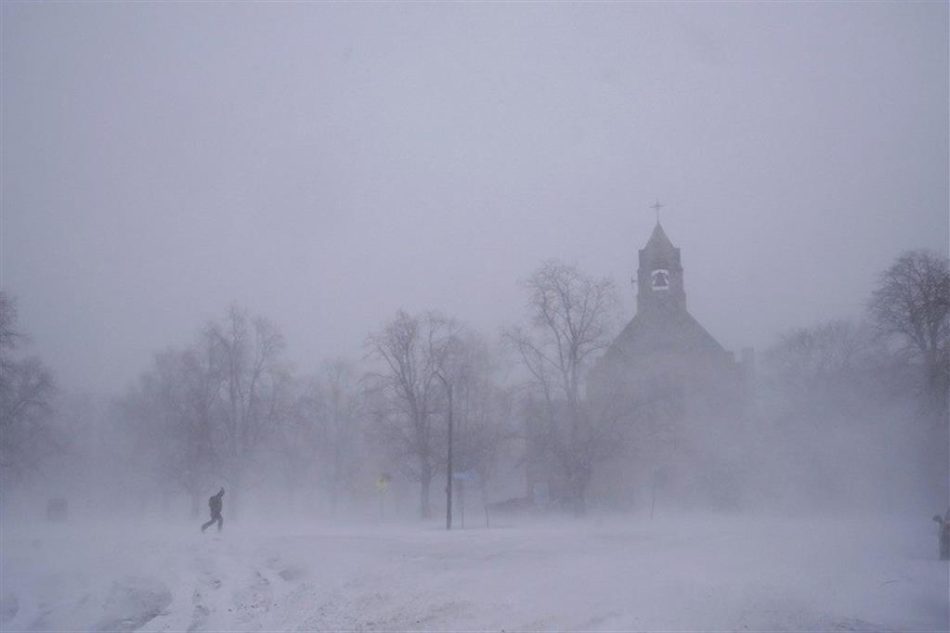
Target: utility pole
(448, 469)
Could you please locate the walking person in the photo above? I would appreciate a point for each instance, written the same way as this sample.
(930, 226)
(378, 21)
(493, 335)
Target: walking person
(943, 535)
(215, 503)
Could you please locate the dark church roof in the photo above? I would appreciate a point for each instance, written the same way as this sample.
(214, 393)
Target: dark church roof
(673, 332)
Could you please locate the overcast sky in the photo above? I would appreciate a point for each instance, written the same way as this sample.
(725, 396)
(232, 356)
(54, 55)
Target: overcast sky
(328, 164)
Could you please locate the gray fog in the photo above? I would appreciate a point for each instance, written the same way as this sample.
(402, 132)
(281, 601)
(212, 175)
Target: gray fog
(328, 164)
(482, 316)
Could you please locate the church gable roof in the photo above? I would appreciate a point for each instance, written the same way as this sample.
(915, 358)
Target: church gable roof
(676, 332)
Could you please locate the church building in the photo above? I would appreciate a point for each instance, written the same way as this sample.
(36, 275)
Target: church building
(664, 343)
(685, 393)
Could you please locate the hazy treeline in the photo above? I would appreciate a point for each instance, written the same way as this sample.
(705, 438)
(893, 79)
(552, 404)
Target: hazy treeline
(855, 411)
(844, 413)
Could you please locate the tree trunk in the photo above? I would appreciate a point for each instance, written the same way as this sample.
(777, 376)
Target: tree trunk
(425, 482)
(579, 483)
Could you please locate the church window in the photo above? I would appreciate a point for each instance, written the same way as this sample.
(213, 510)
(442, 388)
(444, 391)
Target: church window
(660, 279)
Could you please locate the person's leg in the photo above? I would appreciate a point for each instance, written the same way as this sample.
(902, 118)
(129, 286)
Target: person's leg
(205, 526)
(220, 522)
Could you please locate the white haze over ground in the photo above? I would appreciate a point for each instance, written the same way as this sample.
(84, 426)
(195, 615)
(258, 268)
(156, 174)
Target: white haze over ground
(326, 165)
(682, 573)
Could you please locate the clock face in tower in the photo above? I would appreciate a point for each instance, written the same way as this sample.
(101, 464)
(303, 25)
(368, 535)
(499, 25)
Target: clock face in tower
(660, 279)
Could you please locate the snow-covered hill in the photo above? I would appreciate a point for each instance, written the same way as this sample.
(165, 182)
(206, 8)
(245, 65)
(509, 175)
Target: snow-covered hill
(689, 573)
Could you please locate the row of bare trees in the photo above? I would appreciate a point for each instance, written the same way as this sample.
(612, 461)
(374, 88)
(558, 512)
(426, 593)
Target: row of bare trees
(229, 409)
(906, 336)
(228, 405)
(877, 387)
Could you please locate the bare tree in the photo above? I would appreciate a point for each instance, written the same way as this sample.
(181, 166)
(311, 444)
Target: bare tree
(342, 426)
(840, 403)
(480, 411)
(483, 407)
(172, 413)
(26, 396)
(414, 351)
(912, 303)
(836, 364)
(254, 391)
(570, 322)
(206, 412)
(322, 443)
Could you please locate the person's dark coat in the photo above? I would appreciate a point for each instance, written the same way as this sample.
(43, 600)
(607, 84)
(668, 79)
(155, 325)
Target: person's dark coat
(216, 502)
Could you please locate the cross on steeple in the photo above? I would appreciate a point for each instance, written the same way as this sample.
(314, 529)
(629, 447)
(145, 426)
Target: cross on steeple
(656, 206)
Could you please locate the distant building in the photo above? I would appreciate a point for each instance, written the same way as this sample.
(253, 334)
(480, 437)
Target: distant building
(686, 395)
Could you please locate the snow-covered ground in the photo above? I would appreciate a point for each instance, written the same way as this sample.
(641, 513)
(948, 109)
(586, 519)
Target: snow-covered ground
(620, 574)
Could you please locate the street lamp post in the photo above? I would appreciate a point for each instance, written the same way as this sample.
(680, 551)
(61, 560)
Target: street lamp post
(448, 469)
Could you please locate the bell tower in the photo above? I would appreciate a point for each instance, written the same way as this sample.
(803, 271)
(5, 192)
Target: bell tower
(660, 276)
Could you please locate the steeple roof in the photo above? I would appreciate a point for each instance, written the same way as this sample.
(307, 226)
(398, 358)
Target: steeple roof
(658, 240)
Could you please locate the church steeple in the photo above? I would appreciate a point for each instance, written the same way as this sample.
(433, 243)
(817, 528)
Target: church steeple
(659, 241)
(660, 276)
